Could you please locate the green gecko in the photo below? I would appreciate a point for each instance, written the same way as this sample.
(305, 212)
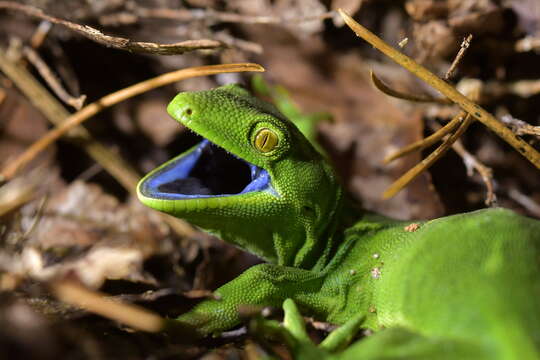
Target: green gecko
(463, 286)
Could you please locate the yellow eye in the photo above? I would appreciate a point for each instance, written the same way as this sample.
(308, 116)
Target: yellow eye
(266, 140)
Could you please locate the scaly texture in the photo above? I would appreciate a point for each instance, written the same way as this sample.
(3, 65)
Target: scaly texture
(463, 286)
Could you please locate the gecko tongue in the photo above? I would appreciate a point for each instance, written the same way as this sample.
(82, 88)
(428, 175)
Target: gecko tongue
(206, 171)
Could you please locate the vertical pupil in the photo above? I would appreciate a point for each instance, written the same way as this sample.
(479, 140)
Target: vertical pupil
(265, 140)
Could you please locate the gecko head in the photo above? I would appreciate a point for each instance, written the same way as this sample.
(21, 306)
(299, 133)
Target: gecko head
(254, 179)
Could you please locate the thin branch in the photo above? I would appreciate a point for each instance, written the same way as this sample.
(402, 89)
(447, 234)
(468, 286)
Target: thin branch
(464, 46)
(403, 42)
(523, 88)
(447, 90)
(426, 163)
(90, 110)
(473, 92)
(57, 114)
(38, 37)
(224, 17)
(97, 303)
(424, 143)
(471, 164)
(37, 217)
(485, 172)
(114, 41)
(520, 127)
(241, 44)
(379, 84)
(17, 193)
(532, 206)
(52, 80)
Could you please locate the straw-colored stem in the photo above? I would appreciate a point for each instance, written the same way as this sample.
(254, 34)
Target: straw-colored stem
(379, 84)
(428, 161)
(424, 143)
(446, 89)
(92, 109)
(97, 303)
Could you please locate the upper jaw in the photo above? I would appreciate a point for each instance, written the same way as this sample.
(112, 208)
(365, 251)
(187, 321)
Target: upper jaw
(204, 171)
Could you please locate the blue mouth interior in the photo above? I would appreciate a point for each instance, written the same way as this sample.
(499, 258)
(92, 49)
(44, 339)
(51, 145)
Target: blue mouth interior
(205, 171)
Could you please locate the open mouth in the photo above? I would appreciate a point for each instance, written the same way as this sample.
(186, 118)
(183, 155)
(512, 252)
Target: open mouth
(205, 171)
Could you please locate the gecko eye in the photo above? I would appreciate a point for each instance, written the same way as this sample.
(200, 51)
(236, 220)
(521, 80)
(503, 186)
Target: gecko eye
(266, 140)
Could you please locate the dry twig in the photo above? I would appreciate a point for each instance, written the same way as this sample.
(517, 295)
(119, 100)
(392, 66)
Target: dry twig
(17, 193)
(52, 80)
(447, 90)
(40, 34)
(424, 143)
(403, 42)
(57, 114)
(450, 140)
(473, 89)
(114, 41)
(496, 89)
(241, 44)
(471, 164)
(520, 127)
(92, 109)
(464, 46)
(532, 206)
(97, 303)
(213, 16)
(430, 160)
(53, 110)
(379, 84)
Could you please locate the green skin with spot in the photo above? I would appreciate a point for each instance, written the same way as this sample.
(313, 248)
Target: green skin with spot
(458, 287)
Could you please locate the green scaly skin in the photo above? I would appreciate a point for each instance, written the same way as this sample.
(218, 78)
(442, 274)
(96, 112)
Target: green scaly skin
(463, 286)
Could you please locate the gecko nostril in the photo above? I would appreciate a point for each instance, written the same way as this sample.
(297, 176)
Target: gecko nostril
(189, 111)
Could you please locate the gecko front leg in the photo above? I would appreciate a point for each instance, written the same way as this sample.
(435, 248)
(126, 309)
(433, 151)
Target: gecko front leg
(261, 285)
